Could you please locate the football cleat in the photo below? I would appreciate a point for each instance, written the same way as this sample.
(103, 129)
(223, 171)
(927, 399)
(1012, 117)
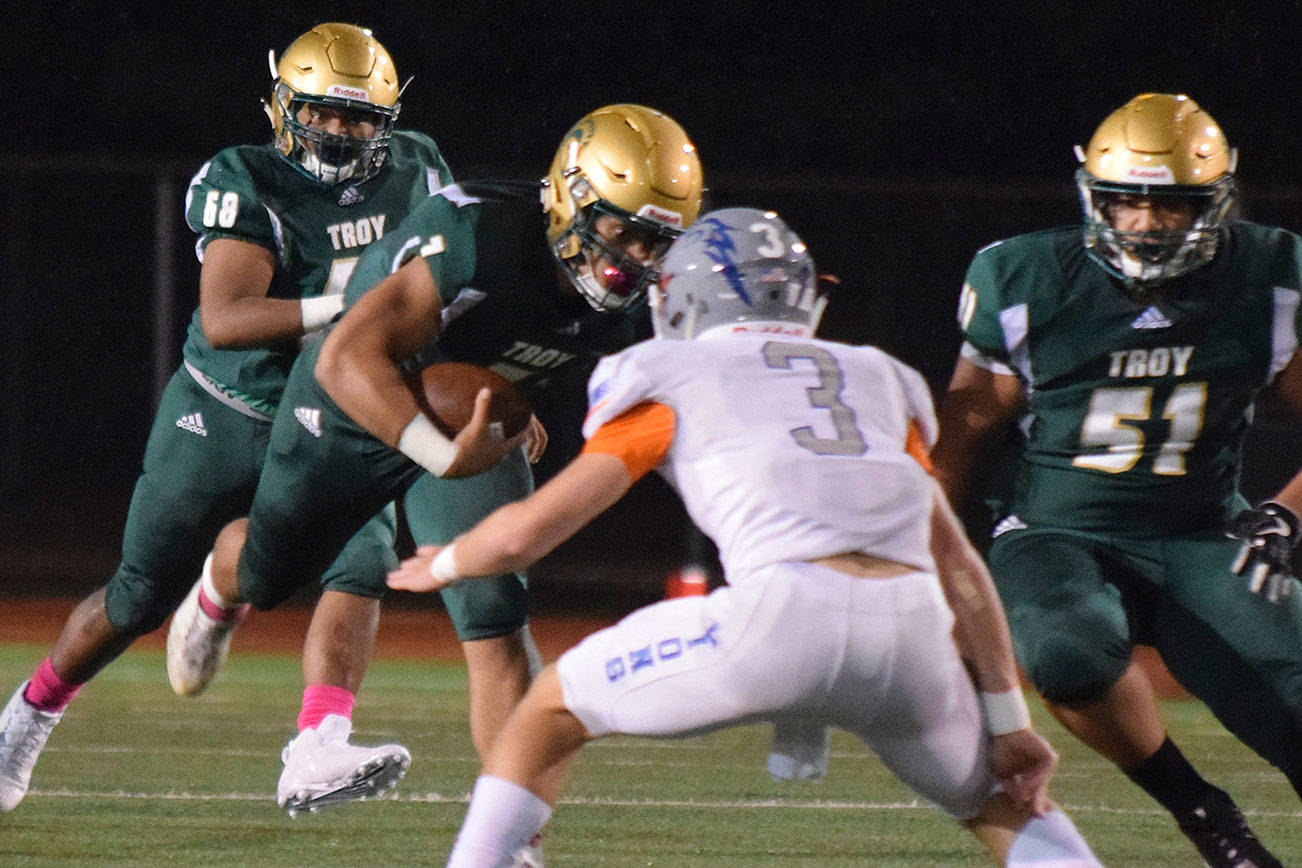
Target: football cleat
(530, 855)
(197, 644)
(23, 733)
(1221, 834)
(800, 751)
(323, 769)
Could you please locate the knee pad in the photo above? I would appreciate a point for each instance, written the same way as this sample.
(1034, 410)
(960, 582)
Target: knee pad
(136, 604)
(1070, 662)
(487, 608)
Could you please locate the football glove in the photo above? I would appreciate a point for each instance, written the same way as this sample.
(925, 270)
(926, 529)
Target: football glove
(1268, 532)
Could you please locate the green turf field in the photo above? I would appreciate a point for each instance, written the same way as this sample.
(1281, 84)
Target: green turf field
(137, 776)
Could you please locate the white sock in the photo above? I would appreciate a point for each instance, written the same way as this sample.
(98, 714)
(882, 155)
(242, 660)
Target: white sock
(210, 590)
(1051, 841)
(503, 817)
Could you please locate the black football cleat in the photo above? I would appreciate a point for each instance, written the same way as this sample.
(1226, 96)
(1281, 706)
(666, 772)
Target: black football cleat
(1221, 834)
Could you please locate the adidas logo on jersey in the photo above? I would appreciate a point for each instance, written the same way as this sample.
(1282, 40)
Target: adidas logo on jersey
(1010, 522)
(350, 196)
(309, 418)
(192, 422)
(1151, 318)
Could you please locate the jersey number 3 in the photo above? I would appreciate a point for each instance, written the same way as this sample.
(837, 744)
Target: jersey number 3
(826, 395)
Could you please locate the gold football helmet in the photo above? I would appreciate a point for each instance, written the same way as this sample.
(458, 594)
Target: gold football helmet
(344, 67)
(1156, 145)
(630, 162)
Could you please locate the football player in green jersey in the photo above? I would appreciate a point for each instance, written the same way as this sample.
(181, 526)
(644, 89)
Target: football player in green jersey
(478, 273)
(1132, 355)
(280, 227)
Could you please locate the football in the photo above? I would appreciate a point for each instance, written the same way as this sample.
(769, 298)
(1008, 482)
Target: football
(446, 393)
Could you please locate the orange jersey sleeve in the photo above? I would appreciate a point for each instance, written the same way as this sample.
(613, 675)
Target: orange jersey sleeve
(640, 437)
(916, 446)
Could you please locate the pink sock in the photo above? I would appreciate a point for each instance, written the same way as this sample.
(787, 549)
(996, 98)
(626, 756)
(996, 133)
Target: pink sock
(322, 699)
(47, 691)
(214, 611)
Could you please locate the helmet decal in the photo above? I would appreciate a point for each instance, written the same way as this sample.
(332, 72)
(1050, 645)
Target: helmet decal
(739, 268)
(720, 249)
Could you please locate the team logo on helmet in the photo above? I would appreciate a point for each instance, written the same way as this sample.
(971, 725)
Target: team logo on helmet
(719, 247)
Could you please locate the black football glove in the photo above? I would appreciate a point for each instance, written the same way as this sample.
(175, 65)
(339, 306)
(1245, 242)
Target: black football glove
(1269, 533)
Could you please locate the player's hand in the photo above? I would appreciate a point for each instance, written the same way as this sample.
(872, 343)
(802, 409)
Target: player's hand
(1268, 532)
(1024, 762)
(479, 445)
(413, 574)
(535, 441)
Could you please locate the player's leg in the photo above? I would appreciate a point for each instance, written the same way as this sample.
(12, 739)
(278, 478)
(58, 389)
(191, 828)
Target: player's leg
(1066, 597)
(920, 716)
(1235, 650)
(799, 751)
(1242, 656)
(318, 487)
(1018, 839)
(321, 767)
(521, 778)
(195, 477)
(489, 615)
(679, 666)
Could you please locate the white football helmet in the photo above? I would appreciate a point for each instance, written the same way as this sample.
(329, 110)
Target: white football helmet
(739, 267)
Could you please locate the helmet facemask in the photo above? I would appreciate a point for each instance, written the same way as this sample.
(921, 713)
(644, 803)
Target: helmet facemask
(607, 277)
(329, 157)
(1142, 260)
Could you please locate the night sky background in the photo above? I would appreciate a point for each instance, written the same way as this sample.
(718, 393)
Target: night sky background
(986, 91)
(895, 137)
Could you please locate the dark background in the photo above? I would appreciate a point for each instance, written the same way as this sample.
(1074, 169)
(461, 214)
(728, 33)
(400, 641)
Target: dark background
(897, 138)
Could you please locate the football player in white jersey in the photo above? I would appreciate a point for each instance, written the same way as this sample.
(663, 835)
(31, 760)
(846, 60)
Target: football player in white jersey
(806, 462)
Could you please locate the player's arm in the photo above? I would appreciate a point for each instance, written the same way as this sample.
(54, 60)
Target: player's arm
(234, 308)
(1018, 755)
(359, 368)
(358, 364)
(518, 534)
(980, 626)
(978, 405)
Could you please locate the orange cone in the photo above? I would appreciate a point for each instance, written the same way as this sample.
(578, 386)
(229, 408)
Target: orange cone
(690, 581)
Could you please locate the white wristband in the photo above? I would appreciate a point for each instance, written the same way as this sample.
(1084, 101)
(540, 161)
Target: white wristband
(1004, 712)
(426, 445)
(317, 312)
(444, 566)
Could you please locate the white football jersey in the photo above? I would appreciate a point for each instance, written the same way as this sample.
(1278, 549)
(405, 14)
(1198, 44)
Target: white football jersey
(785, 449)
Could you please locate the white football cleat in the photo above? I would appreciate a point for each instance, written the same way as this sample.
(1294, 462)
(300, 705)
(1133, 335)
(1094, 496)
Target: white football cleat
(197, 644)
(23, 733)
(800, 751)
(528, 856)
(323, 769)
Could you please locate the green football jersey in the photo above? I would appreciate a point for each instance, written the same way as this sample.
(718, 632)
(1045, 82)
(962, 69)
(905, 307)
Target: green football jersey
(1136, 409)
(316, 232)
(485, 243)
